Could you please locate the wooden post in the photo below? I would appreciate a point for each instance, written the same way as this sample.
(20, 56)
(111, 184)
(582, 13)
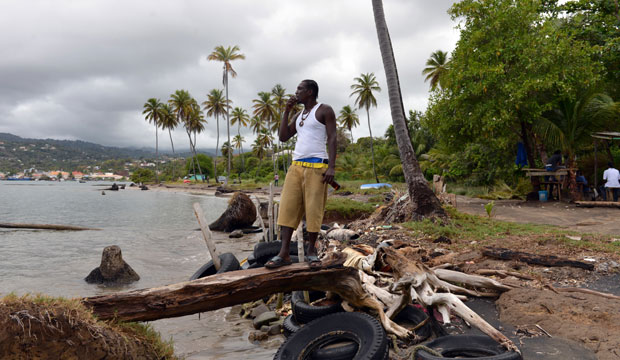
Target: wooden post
(260, 218)
(301, 253)
(206, 233)
(270, 211)
(276, 211)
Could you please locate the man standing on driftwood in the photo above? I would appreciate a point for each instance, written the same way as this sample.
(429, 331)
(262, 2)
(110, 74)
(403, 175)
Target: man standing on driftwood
(305, 186)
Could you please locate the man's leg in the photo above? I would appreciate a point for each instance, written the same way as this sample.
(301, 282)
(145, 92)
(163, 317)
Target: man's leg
(615, 191)
(286, 233)
(312, 236)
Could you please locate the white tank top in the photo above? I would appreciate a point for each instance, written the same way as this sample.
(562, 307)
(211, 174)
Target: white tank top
(311, 137)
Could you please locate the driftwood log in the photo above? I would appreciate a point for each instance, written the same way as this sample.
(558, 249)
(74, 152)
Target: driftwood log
(544, 260)
(611, 204)
(43, 227)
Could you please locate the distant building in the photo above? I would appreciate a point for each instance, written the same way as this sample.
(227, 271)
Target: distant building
(77, 175)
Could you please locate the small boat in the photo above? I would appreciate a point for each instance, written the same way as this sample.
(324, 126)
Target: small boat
(82, 181)
(375, 186)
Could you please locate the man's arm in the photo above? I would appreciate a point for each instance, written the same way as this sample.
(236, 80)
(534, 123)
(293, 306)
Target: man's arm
(332, 143)
(287, 130)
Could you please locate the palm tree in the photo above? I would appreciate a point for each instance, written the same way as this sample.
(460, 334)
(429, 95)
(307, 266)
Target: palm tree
(226, 55)
(183, 107)
(261, 144)
(279, 98)
(363, 89)
(153, 112)
(169, 122)
(423, 202)
(348, 119)
(265, 109)
(241, 118)
(216, 105)
(569, 126)
(238, 141)
(436, 66)
(194, 124)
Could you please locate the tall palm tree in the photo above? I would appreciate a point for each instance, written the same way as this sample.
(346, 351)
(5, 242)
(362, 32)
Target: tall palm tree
(569, 126)
(279, 98)
(348, 119)
(363, 88)
(436, 66)
(241, 118)
(153, 114)
(265, 108)
(261, 144)
(216, 105)
(195, 124)
(169, 122)
(238, 141)
(424, 203)
(226, 55)
(183, 107)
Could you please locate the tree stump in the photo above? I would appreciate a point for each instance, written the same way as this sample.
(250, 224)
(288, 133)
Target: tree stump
(113, 269)
(240, 214)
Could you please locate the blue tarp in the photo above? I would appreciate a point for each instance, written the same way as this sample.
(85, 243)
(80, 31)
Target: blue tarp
(375, 186)
(521, 159)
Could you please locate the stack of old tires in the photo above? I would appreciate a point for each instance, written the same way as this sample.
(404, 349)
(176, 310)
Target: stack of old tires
(228, 262)
(479, 347)
(264, 251)
(327, 332)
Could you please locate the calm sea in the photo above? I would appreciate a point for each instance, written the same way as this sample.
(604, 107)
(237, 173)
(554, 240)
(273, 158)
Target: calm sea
(158, 235)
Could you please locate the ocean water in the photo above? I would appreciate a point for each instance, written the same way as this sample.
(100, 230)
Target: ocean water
(159, 237)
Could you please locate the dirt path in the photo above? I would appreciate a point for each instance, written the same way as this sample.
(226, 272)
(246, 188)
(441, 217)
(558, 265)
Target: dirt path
(564, 215)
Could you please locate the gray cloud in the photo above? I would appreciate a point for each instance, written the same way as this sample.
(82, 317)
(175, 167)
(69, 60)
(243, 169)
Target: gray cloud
(83, 69)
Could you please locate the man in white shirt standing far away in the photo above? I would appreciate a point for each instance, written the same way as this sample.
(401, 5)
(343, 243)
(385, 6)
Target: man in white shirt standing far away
(305, 187)
(612, 176)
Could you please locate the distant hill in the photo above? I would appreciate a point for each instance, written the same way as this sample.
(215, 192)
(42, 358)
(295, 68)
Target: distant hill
(17, 153)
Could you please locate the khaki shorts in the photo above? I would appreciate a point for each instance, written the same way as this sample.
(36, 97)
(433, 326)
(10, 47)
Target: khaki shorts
(304, 193)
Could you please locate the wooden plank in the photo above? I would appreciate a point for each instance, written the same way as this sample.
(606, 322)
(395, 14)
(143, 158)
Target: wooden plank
(206, 234)
(260, 218)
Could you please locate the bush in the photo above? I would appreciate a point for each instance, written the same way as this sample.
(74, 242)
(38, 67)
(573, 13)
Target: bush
(143, 176)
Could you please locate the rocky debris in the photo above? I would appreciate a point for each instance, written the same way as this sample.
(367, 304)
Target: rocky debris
(258, 336)
(259, 310)
(241, 213)
(113, 269)
(265, 318)
(442, 239)
(236, 234)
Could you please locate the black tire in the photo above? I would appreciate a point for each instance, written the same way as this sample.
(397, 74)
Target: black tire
(479, 347)
(305, 313)
(338, 350)
(264, 251)
(290, 326)
(251, 259)
(412, 316)
(361, 329)
(228, 261)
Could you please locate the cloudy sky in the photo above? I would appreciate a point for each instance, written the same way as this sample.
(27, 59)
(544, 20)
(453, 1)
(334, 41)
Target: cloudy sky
(82, 69)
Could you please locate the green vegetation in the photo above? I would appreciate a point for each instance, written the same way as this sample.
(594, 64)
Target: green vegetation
(143, 176)
(347, 209)
(463, 229)
(48, 312)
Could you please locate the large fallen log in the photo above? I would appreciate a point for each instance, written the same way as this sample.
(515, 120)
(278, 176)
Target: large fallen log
(43, 227)
(589, 204)
(544, 260)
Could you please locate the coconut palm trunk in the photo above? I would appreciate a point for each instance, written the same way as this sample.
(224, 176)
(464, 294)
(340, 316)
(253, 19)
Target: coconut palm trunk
(227, 125)
(372, 148)
(424, 202)
(173, 155)
(217, 146)
(156, 153)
